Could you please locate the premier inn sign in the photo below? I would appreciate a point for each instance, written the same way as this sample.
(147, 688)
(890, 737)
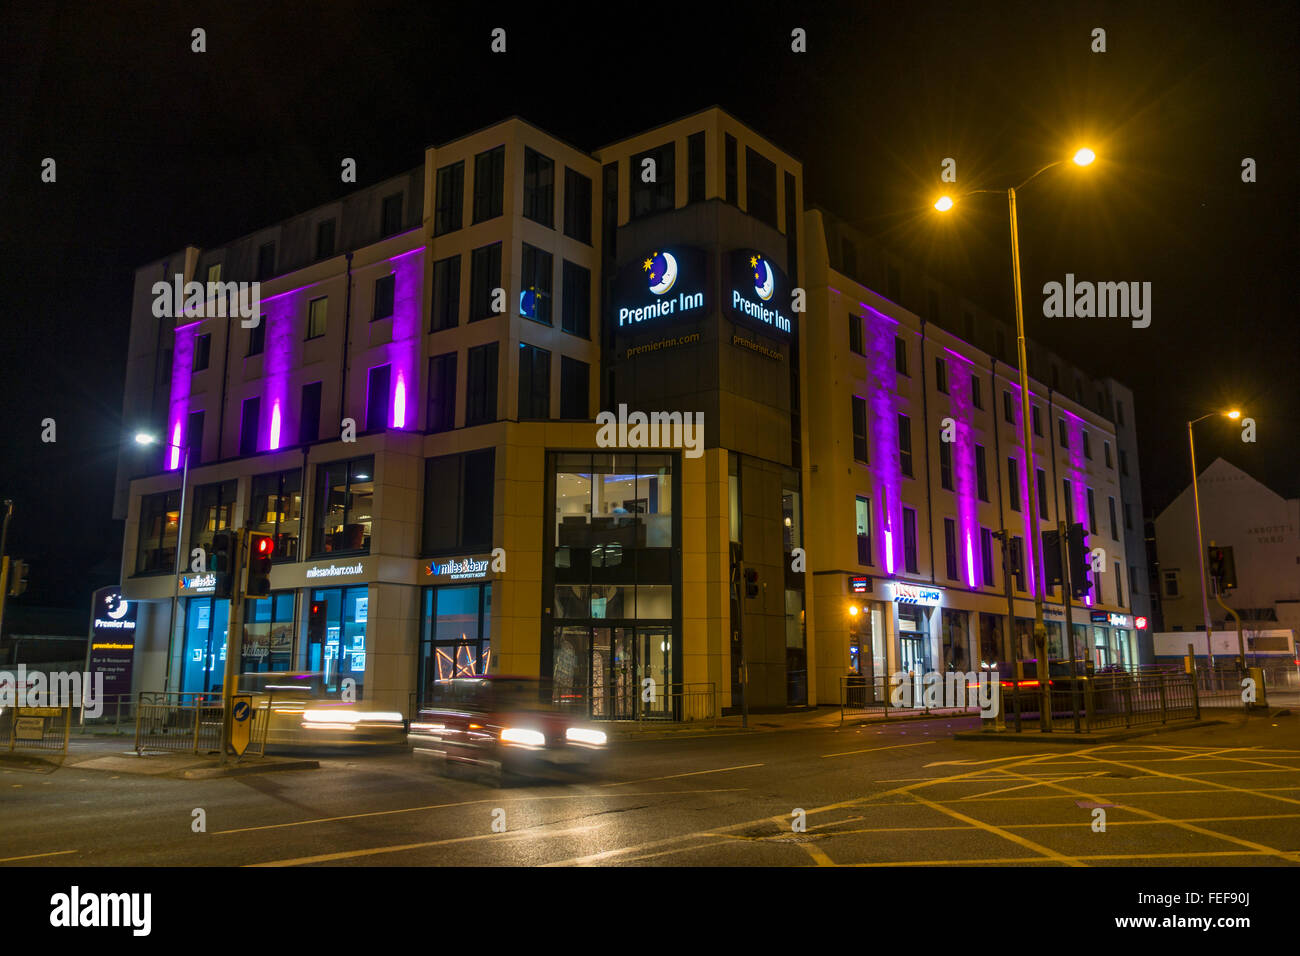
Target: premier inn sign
(757, 293)
(660, 286)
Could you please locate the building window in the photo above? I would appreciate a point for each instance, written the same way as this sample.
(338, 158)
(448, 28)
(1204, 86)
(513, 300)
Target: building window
(385, 292)
(441, 416)
(1087, 445)
(950, 547)
(214, 510)
(324, 239)
(534, 382)
(986, 556)
(760, 186)
(309, 422)
(449, 204)
(909, 541)
(856, 345)
(316, 312)
(1114, 527)
(535, 279)
(981, 474)
(539, 188)
(905, 446)
(1171, 584)
(577, 206)
(268, 634)
(194, 438)
(945, 465)
(481, 385)
(345, 496)
(377, 395)
(159, 523)
(1123, 462)
(446, 294)
(391, 215)
(976, 395)
(609, 207)
(576, 303)
(458, 496)
(1013, 483)
(862, 514)
(900, 355)
(1132, 580)
(202, 352)
(484, 280)
(489, 184)
(1042, 494)
(455, 636)
(1119, 584)
(695, 168)
(859, 429)
(1119, 413)
(337, 619)
(1066, 494)
(276, 509)
(252, 412)
(1092, 512)
(1020, 578)
(265, 261)
(1063, 432)
(1105, 447)
(659, 194)
(257, 337)
(1008, 408)
(1128, 517)
(731, 170)
(575, 383)
(941, 375)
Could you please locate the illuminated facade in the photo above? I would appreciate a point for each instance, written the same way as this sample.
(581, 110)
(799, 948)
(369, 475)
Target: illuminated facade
(534, 410)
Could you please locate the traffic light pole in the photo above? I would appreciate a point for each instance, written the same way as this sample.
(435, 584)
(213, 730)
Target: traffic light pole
(234, 637)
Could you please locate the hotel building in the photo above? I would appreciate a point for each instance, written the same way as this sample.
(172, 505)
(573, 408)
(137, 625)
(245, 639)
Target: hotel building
(420, 419)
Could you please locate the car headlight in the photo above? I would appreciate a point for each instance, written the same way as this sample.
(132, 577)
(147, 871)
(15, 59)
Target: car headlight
(584, 735)
(518, 735)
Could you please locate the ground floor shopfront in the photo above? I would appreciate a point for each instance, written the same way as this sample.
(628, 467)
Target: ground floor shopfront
(877, 628)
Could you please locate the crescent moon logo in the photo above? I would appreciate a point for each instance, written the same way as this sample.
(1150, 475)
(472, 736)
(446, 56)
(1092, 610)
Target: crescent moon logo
(120, 611)
(764, 283)
(661, 272)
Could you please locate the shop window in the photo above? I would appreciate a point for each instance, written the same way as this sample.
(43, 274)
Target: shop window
(458, 502)
(159, 523)
(455, 634)
(345, 494)
(203, 654)
(337, 620)
(268, 633)
(277, 510)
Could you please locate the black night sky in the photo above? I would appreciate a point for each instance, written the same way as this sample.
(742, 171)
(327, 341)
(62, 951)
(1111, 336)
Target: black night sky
(158, 147)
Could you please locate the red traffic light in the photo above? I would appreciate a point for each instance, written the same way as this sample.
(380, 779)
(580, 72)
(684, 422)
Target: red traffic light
(265, 546)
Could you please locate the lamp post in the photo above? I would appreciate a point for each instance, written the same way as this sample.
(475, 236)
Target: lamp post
(1200, 541)
(144, 438)
(1082, 157)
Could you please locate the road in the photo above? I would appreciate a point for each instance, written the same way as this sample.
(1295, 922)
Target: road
(904, 793)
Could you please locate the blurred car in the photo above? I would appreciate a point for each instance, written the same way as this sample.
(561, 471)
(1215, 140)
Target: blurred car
(505, 726)
(302, 714)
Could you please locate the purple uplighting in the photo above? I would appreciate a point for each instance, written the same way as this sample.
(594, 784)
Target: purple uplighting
(182, 369)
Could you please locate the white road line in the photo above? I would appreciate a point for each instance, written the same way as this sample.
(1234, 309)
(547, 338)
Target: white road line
(673, 776)
(849, 753)
(36, 856)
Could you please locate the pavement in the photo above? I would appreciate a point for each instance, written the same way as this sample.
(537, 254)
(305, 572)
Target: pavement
(116, 755)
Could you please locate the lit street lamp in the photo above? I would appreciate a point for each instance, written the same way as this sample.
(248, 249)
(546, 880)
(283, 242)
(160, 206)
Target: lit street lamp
(1082, 157)
(1200, 543)
(144, 438)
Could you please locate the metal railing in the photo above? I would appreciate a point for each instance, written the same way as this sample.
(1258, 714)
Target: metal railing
(42, 730)
(116, 711)
(898, 697)
(178, 722)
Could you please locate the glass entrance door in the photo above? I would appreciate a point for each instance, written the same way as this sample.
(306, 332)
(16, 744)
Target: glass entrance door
(655, 656)
(613, 673)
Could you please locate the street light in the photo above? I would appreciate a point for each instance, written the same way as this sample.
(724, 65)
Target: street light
(144, 438)
(1200, 542)
(1082, 157)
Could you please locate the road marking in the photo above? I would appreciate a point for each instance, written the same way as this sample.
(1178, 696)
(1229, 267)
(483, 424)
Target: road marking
(465, 803)
(1222, 786)
(998, 831)
(35, 856)
(673, 776)
(849, 753)
(1089, 856)
(1023, 786)
(400, 848)
(974, 763)
(820, 858)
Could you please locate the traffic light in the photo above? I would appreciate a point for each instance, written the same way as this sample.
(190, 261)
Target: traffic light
(17, 577)
(260, 549)
(221, 561)
(1080, 560)
(1223, 568)
(751, 582)
(1051, 559)
(1016, 556)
